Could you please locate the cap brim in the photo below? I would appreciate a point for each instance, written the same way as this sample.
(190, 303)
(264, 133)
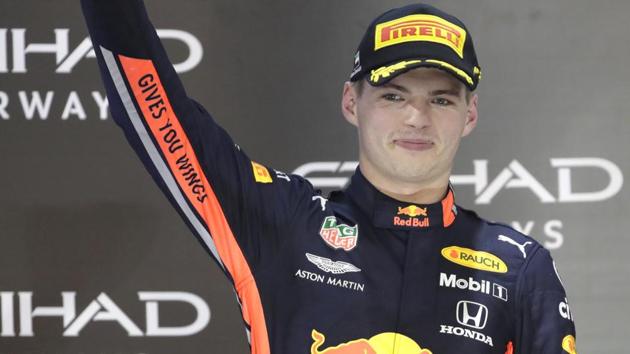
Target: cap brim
(384, 74)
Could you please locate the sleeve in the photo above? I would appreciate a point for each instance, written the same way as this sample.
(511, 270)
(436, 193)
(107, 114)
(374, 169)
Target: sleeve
(545, 323)
(236, 207)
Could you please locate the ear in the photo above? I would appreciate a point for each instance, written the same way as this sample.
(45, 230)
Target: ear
(471, 115)
(349, 103)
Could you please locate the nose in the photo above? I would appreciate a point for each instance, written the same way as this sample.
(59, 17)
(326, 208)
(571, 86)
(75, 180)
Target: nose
(419, 115)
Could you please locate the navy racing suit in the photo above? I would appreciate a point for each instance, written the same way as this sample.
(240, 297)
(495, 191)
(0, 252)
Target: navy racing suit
(357, 272)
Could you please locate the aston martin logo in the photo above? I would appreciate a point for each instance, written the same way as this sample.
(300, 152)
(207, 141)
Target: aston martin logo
(331, 266)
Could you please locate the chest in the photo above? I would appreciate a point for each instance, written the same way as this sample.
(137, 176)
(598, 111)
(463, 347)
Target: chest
(434, 287)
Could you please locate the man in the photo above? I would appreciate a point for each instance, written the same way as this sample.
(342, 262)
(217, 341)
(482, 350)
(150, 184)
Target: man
(391, 264)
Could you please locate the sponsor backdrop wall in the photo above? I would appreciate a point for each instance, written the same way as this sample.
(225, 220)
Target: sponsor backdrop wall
(84, 231)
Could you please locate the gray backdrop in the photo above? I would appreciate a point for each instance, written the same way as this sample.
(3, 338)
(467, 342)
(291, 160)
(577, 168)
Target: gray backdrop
(84, 231)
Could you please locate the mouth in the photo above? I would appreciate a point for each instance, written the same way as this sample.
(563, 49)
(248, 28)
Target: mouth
(414, 144)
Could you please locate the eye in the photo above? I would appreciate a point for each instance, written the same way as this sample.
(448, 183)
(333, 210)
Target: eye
(392, 97)
(442, 101)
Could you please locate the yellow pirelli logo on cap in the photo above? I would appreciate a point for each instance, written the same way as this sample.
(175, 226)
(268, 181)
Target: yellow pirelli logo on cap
(474, 259)
(420, 28)
(261, 174)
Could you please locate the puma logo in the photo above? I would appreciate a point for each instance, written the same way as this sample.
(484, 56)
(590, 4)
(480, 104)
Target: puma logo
(512, 242)
(322, 201)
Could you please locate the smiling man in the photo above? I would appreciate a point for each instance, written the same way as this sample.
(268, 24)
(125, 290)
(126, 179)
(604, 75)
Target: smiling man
(389, 265)
(409, 131)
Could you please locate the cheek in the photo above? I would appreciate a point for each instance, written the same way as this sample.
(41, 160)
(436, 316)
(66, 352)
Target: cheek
(376, 123)
(370, 131)
(451, 129)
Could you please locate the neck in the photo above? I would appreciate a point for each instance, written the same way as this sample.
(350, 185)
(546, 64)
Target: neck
(417, 192)
(421, 196)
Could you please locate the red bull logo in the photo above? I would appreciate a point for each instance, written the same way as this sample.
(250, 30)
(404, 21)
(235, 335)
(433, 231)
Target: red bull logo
(413, 222)
(383, 343)
(412, 211)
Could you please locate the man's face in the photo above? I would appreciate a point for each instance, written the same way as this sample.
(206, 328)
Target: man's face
(410, 128)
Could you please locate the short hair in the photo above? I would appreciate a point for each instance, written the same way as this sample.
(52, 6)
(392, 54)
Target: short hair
(359, 86)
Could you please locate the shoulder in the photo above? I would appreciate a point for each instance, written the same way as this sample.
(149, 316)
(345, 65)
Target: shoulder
(497, 230)
(529, 266)
(502, 240)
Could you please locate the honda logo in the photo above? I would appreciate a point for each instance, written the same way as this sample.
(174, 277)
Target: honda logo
(472, 314)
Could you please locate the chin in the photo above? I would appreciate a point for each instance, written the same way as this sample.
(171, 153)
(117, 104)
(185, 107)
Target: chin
(410, 173)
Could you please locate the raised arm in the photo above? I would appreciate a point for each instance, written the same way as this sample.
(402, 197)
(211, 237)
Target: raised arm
(238, 209)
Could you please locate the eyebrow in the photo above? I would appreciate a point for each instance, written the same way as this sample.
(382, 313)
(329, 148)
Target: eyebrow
(451, 91)
(394, 86)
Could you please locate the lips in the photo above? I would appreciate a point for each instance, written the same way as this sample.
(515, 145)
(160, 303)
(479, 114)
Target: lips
(414, 144)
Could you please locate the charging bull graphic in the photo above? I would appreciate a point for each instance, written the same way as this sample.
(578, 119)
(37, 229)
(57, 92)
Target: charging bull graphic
(412, 211)
(383, 343)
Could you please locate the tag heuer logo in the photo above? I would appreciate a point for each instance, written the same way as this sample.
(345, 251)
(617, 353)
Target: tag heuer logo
(339, 236)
